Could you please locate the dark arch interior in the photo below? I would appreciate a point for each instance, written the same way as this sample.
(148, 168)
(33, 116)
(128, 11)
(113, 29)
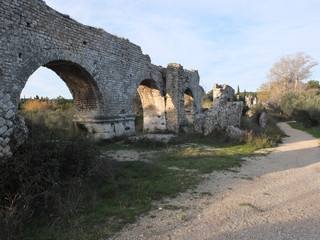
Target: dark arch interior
(80, 83)
(189, 105)
(149, 83)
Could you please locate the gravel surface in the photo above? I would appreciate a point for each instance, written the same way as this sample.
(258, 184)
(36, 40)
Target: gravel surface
(276, 196)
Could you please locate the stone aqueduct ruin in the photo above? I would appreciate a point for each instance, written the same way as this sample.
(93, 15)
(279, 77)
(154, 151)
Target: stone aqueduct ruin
(102, 71)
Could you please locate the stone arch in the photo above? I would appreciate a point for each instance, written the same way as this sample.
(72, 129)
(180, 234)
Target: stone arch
(153, 105)
(83, 87)
(189, 106)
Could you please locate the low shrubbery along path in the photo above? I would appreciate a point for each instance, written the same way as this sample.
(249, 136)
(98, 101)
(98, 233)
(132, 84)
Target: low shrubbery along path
(271, 197)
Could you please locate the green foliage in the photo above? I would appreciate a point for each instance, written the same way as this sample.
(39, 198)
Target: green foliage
(302, 106)
(245, 93)
(61, 186)
(52, 124)
(256, 112)
(313, 84)
(45, 178)
(258, 137)
(203, 160)
(35, 181)
(117, 200)
(207, 99)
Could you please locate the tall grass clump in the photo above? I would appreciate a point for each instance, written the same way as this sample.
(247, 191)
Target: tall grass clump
(257, 136)
(45, 177)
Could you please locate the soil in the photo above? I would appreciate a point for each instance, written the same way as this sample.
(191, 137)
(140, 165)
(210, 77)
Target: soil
(275, 196)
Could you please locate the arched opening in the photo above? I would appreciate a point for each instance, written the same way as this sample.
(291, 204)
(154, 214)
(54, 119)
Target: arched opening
(81, 86)
(78, 90)
(153, 107)
(189, 106)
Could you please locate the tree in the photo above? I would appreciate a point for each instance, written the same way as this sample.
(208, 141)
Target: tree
(238, 90)
(313, 84)
(291, 70)
(286, 75)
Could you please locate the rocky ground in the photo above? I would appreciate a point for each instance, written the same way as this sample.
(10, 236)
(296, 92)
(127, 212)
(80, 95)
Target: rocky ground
(276, 196)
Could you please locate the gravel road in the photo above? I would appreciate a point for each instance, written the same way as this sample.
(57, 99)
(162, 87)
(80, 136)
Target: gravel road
(276, 196)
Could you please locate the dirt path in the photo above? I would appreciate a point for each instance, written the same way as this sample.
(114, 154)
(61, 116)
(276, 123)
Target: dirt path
(271, 197)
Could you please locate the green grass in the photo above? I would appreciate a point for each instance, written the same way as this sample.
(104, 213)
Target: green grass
(314, 131)
(133, 187)
(116, 193)
(117, 201)
(205, 161)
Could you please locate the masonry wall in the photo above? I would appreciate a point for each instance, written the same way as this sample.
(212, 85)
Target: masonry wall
(102, 71)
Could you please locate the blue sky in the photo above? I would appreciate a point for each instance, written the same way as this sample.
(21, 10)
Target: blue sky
(228, 41)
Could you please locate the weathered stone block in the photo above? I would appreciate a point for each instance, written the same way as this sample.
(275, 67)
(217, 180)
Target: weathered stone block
(9, 124)
(263, 120)
(6, 98)
(8, 133)
(5, 142)
(3, 129)
(9, 114)
(222, 94)
(7, 106)
(2, 121)
(219, 117)
(235, 132)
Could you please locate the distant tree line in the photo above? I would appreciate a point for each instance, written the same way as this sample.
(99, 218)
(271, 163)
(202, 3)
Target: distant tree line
(44, 103)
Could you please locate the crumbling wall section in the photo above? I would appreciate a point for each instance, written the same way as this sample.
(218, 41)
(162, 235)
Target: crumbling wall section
(219, 117)
(12, 128)
(222, 94)
(225, 115)
(102, 71)
(178, 81)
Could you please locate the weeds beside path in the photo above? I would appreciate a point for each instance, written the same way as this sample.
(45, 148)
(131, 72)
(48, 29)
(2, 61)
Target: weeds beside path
(271, 197)
(90, 194)
(314, 130)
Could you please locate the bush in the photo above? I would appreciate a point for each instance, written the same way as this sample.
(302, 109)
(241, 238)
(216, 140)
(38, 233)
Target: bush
(261, 137)
(302, 106)
(256, 112)
(207, 99)
(46, 176)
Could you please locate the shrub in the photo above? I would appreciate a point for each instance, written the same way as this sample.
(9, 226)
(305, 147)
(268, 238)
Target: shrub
(256, 112)
(261, 137)
(302, 106)
(46, 175)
